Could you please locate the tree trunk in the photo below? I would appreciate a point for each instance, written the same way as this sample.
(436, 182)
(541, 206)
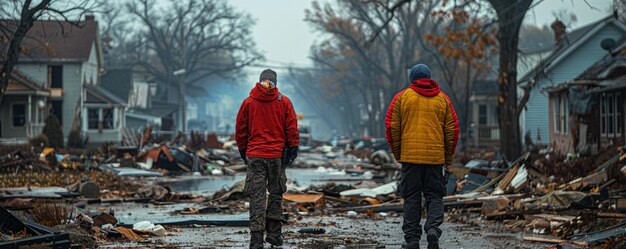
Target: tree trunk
(183, 105)
(509, 20)
(13, 53)
(466, 121)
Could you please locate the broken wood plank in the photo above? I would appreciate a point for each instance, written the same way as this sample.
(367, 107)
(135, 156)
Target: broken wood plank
(335, 199)
(316, 199)
(551, 217)
(544, 240)
(509, 213)
(490, 183)
(385, 207)
(611, 215)
(506, 181)
(128, 233)
(183, 167)
(609, 163)
(606, 184)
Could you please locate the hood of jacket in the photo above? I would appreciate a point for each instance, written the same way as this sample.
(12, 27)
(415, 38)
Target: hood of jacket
(425, 87)
(260, 93)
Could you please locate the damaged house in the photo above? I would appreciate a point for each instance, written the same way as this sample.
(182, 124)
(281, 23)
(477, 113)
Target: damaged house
(574, 53)
(587, 113)
(60, 74)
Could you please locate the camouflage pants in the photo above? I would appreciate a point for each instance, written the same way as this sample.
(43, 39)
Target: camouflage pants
(265, 174)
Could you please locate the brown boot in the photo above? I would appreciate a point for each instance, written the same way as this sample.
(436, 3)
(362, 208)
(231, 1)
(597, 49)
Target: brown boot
(274, 232)
(256, 240)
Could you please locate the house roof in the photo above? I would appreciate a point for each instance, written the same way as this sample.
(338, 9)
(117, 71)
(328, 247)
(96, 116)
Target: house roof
(98, 95)
(25, 81)
(485, 87)
(605, 68)
(569, 44)
(118, 82)
(608, 85)
(19, 83)
(158, 109)
(567, 85)
(607, 74)
(54, 40)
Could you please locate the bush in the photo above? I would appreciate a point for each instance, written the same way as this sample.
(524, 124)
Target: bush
(40, 141)
(76, 140)
(53, 131)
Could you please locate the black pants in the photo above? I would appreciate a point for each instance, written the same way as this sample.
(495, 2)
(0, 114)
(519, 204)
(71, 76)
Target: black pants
(418, 179)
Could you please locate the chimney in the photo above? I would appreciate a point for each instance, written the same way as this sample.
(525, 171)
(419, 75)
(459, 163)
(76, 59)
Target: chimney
(559, 31)
(90, 18)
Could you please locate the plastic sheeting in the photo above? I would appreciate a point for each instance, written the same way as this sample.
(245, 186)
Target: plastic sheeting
(580, 100)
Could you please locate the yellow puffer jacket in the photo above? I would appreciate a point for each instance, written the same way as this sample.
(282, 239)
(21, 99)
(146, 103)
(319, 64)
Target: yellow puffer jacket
(422, 126)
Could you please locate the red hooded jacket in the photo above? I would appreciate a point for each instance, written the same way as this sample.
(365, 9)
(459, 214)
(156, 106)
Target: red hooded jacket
(266, 123)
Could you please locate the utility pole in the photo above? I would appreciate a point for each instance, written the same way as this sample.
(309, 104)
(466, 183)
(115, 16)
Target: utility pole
(181, 100)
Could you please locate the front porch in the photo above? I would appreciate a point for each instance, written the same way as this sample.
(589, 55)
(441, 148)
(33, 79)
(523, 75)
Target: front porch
(23, 108)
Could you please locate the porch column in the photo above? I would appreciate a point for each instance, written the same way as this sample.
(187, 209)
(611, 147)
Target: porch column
(475, 118)
(29, 128)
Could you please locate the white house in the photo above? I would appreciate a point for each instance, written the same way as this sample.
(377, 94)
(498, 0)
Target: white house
(61, 70)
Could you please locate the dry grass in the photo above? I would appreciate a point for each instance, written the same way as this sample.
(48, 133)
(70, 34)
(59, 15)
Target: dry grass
(52, 214)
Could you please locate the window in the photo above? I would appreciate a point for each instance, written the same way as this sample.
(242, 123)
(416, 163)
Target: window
(556, 108)
(619, 109)
(107, 118)
(57, 109)
(482, 114)
(93, 118)
(18, 112)
(611, 117)
(560, 108)
(564, 113)
(56, 76)
(97, 116)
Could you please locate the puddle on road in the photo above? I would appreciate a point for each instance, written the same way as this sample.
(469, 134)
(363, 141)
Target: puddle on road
(210, 184)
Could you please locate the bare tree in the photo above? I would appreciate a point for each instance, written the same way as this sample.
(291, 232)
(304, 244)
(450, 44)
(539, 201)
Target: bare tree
(372, 71)
(21, 15)
(510, 17)
(197, 39)
(464, 50)
(118, 45)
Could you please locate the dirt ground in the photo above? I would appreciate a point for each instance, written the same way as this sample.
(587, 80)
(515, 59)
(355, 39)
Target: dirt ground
(341, 232)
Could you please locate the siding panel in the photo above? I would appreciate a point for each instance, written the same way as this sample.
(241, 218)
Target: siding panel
(536, 116)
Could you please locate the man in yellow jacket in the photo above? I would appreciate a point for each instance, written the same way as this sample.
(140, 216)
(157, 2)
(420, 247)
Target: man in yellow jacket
(422, 131)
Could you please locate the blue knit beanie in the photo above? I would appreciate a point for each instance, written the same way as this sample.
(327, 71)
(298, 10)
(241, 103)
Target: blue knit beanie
(419, 71)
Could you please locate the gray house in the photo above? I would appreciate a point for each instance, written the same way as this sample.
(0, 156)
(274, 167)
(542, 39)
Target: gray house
(484, 127)
(574, 53)
(20, 113)
(62, 69)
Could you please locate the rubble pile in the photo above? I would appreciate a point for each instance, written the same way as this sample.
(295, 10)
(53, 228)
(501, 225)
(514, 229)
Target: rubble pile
(551, 198)
(72, 194)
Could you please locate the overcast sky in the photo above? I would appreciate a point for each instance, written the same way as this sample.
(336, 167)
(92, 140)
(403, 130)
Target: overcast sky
(284, 37)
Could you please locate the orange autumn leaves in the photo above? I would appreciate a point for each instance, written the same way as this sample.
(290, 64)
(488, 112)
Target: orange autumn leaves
(465, 38)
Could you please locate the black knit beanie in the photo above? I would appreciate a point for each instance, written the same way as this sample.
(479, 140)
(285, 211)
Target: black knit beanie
(268, 74)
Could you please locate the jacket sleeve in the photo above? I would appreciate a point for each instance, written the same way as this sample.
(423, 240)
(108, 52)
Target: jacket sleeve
(241, 127)
(450, 131)
(291, 126)
(393, 121)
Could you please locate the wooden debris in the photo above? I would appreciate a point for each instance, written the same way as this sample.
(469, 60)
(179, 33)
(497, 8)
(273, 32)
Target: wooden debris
(128, 233)
(611, 215)
(104, 218)
(315, 199)
(544, 240)
(506, 181)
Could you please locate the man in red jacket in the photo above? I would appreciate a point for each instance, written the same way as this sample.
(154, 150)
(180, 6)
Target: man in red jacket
(268, 139)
